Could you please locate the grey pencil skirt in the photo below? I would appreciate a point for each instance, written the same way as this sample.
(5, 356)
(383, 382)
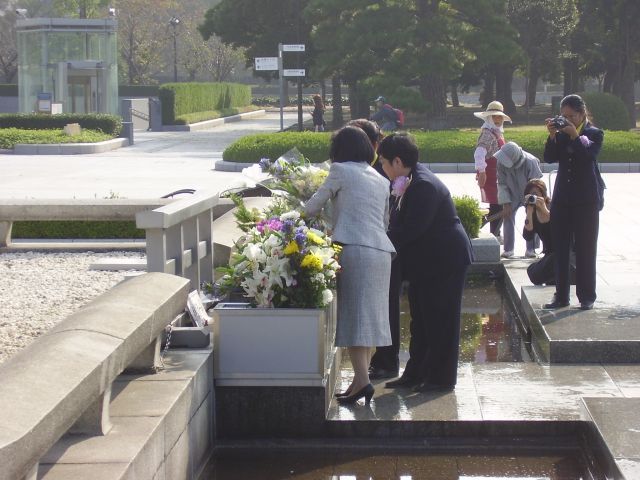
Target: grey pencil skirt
(363, 297)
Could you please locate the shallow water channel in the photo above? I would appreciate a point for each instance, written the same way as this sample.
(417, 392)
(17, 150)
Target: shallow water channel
(489, 333)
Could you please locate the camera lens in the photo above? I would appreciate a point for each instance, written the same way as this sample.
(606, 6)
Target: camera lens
(531, 199)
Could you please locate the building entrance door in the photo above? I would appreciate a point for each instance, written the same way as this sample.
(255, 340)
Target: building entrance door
(79, 94)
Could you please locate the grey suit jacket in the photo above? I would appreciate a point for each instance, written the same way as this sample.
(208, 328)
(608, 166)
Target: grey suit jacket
(360, 205)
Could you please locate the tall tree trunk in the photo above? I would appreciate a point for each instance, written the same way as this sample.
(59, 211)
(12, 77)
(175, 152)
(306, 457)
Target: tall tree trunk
(532, 83)
(626, 89)
(433, 88)
(504, 77)
(323, 90)
(336, 91)
(358, 102)
(455, 101)
(488, 89)
(572, 77)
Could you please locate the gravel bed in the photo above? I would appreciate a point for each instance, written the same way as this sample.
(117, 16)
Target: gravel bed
(37, 290)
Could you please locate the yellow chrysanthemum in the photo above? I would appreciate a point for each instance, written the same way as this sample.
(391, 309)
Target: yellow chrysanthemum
(311, 261)
(337, 248)
(291, 248)
(313, 238)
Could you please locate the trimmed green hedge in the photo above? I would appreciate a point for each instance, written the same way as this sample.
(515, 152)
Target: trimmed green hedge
(607, 110)
(469, 213)
(446, 146)
(76, 229)
(189, 118)
(179, 99)
(109, 124)
(9, 137)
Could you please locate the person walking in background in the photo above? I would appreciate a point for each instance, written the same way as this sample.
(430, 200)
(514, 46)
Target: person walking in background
(318, 114)
(360, 213)
(385, 115)
(385, 362)
(515, 168)
(489, 142)
(574, 144)
(434, 252)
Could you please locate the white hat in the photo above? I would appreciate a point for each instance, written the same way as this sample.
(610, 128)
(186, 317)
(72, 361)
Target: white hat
(494, 108)
(509, 155)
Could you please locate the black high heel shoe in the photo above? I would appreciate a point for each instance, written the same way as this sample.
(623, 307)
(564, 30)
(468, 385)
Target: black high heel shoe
(366, 392)
(346, 393)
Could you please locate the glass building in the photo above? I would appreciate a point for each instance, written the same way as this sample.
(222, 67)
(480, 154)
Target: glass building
(73, 62)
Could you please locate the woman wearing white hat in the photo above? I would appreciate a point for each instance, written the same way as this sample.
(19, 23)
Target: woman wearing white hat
(489, 142)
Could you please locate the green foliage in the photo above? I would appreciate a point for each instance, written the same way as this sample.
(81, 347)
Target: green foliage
(76, 229)
(250, 149)
(9, 137)
(607, 110)
(184, 98)
(108, 124)
(469, 213)
(446, 146)
(8, 90)
(189, 118)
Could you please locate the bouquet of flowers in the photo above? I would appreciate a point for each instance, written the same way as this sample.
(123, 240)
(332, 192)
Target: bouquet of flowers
(282, 262)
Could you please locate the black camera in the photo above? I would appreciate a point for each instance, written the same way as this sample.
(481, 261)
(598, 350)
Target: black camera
(531, 199)
(559, 122)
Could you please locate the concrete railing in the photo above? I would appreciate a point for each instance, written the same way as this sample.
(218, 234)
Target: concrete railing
(180, 236)
(13, 210)
(63, 380)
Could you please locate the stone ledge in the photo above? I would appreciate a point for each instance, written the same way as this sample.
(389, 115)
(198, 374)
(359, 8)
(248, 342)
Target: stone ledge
(486, 248)
(70, 148)
(193, 127)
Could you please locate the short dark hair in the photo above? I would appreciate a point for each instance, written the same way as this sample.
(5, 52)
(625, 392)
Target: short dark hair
(350, 144)
(401, 145)
(370, 128)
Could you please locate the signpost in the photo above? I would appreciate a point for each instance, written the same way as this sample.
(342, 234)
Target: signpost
(293, 48)
(295, 72)
(266, 63)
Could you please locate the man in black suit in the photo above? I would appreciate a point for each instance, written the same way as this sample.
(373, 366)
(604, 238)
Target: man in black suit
(434, 252)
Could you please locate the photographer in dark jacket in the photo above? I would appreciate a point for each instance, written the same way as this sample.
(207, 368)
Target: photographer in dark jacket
(574, 144)
(537, 204)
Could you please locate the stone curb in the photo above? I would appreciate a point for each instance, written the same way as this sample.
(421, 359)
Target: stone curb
(228, 166)
(70, 148)
(211, 123)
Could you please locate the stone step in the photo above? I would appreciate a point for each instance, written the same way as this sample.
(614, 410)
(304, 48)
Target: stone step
(617, 423)
(610, 333)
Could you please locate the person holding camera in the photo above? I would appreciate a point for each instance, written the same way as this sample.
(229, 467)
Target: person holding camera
(574, 144)
(537, 222)
(515, 168)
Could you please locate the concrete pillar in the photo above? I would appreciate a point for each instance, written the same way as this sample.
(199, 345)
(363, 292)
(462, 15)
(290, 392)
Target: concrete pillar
(95, 420)
(5, 233)
(149, 358)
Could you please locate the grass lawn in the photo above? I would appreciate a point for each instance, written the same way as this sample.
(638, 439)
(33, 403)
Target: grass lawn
(9, 137)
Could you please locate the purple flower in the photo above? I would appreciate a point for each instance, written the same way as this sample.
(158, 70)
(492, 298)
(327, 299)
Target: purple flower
(399, 186)
(300, 236)
(287, 226)
(265, 164)
(585, 141)
(274, 224)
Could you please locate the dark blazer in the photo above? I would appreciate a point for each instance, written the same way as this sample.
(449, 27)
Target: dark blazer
(426, 230)
(576, 183)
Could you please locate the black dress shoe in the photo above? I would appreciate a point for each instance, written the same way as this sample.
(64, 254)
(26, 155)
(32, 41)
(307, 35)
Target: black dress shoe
(586, 305)
(367, 392)
(379, 373)
(555, 304)
(432, 387)
(403, 382)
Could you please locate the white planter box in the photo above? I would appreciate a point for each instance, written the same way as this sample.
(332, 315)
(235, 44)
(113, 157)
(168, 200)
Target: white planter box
(272, 346)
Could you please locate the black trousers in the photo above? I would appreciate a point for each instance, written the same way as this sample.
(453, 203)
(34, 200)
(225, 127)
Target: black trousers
(494, 225)
(387, 357)
(435, 327)
(579, 223)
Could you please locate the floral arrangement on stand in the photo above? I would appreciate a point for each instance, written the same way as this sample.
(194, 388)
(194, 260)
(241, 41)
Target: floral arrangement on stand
(283, 260)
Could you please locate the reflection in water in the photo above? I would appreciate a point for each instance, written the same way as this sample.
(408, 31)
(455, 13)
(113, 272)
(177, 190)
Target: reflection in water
(350, 465)
(489, 331)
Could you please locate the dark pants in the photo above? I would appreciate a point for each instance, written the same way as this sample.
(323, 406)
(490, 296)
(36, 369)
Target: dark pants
(435, 327)
(543, 271)
(387, 357)
(494, 225)
(580, 223)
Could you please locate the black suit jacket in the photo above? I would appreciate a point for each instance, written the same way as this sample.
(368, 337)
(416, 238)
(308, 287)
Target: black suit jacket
(576, 183)
(426, 230)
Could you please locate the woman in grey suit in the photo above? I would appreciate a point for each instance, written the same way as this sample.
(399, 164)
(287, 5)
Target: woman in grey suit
(360, 213)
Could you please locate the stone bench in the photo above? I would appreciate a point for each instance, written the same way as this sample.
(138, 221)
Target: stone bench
(117, 209)
(62, 381)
